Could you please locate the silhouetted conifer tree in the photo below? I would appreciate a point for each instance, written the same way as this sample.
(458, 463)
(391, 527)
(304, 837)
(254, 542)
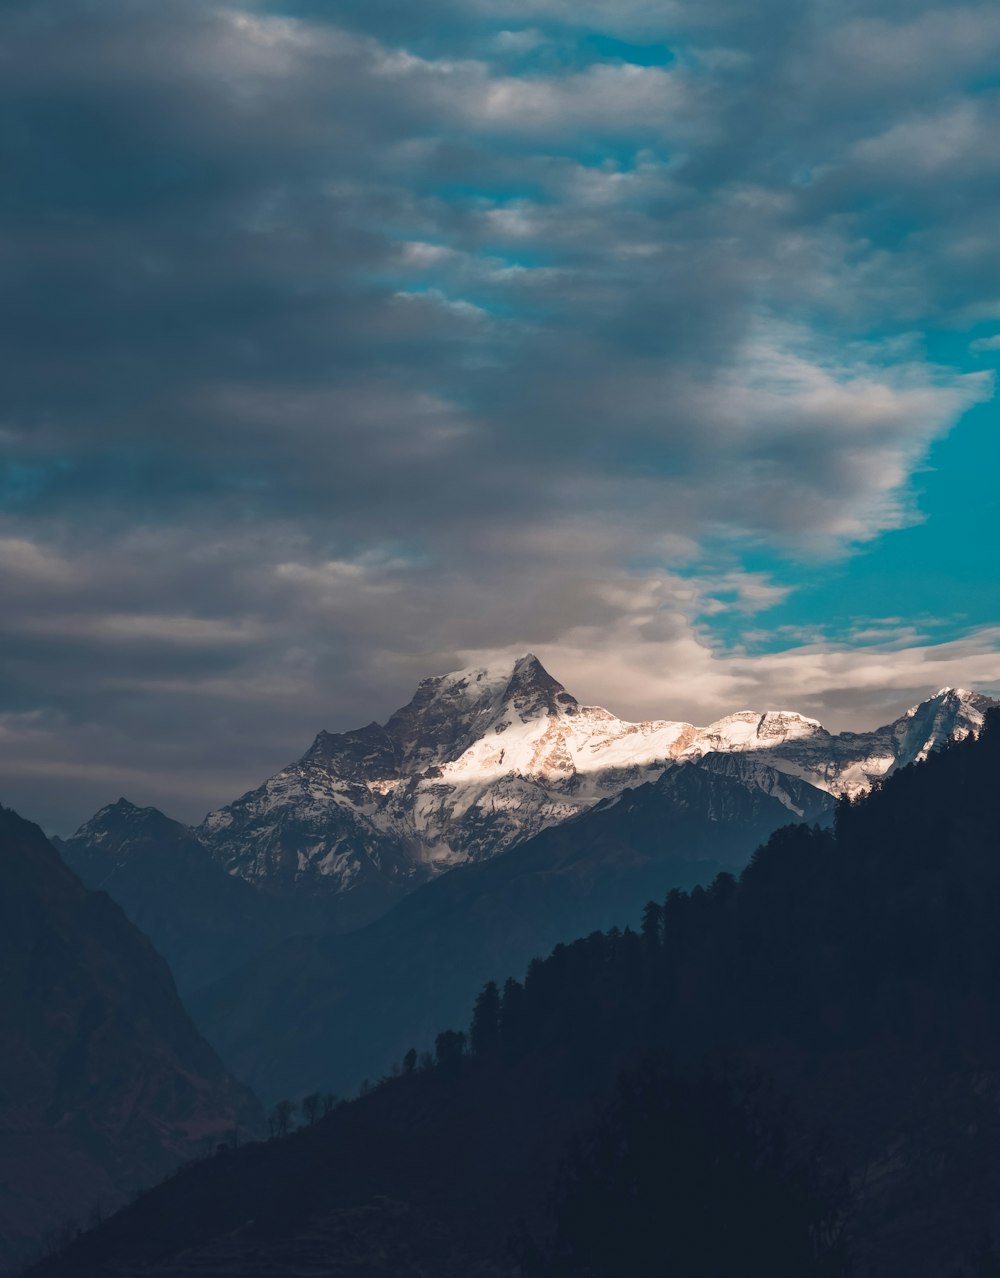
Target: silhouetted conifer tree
(512, 1024)
(652, 925)
(449, 1048)
(484, 1033)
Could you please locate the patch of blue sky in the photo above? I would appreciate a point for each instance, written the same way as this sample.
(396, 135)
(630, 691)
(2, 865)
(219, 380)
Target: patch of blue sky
(965, 348)
(481, 192)
(937, 577)
(987, 81)
(941, 572)
(21, 483)
(627, 152)
(535, 49)
(608, 48)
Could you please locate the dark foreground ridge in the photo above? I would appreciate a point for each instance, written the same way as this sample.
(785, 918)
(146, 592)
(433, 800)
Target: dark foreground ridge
(105, 1085)
(854, 971)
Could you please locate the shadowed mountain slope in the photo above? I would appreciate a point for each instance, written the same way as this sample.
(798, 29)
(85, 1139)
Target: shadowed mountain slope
(322, 1013)
(204, 921)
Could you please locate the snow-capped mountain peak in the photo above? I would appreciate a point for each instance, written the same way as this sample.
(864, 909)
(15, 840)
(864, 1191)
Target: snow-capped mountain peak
(951, 714)
(448, 713)
(117, 820)
(755, 730)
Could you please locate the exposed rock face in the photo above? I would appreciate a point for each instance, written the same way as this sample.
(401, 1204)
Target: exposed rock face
(105, 1085)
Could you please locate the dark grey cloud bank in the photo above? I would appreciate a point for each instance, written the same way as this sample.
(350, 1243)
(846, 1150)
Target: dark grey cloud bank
(344, 343)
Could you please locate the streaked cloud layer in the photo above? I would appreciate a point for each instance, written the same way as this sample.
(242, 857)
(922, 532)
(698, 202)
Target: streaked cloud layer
(344, 343)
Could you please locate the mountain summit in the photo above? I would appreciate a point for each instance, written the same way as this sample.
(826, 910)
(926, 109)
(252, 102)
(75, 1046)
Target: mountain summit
(449, 713)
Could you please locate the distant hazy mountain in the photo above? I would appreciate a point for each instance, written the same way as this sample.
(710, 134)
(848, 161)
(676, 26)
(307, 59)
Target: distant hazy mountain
(326, 1012)
(105, 1085)
(204, 921)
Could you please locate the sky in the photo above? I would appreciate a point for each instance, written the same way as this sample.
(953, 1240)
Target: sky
(347, 343)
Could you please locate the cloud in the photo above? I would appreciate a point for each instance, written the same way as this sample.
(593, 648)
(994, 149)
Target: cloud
(521, 41)
(846, 687)
(339, 346)
(930, 147)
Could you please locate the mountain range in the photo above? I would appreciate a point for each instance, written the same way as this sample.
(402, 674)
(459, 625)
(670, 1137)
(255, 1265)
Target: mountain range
(680, 805)
(482, 759)
(478, 762)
